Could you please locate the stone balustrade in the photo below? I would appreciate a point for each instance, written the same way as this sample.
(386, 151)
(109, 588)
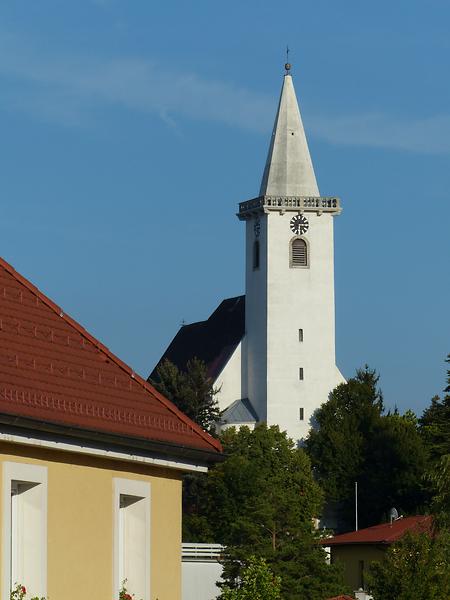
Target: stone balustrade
(317, 204)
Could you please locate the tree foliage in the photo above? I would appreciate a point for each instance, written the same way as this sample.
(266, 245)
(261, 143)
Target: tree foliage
(261, 501)
(435, 424)
(354, 441)
(415, 568)
(344, 423)
(435, 430)
(440, 478)
(258, 583)
(191, 391)
(394, 469)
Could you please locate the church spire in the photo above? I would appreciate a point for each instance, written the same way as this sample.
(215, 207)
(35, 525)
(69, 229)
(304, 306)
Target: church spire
(289, 170)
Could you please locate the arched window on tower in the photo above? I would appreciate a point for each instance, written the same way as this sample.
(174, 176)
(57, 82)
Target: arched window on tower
(299, 253)
(255, 254)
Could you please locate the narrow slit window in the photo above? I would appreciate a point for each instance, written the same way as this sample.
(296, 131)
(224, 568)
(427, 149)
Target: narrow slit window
(255, 254)
(300, 373)
(301, 414)
(299, 253)
(300, 335)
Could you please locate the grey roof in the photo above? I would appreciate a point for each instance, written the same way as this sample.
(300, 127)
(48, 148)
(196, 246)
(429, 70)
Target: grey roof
(289, 170)
(240, 411)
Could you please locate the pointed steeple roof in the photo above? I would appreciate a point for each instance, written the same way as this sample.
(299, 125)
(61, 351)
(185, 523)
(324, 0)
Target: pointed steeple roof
(289, 170)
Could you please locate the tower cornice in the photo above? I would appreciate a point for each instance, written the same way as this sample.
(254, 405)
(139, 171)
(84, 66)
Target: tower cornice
(282, 204)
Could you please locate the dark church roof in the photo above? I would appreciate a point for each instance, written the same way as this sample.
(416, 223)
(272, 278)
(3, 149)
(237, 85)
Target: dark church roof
(213, 341)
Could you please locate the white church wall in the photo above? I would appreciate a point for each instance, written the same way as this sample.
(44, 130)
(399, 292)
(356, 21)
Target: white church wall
(229, 380)
(300, 298)
(256, 318)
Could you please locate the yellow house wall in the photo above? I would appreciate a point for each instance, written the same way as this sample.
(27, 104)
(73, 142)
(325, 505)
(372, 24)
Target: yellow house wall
(80, 522)
(350, 556)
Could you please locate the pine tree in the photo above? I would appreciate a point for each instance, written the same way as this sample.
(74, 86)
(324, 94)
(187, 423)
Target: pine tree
(192, 391)
(355, 442)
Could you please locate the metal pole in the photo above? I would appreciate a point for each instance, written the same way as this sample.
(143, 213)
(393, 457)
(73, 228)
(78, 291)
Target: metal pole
(356, 506)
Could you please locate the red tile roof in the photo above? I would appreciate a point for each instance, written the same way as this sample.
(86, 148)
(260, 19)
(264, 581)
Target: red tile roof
(382, 534)
(52, 370)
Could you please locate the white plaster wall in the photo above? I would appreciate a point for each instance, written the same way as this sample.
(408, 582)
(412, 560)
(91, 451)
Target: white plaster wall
(199, 580)
(279, 301)
(300, 298)
(256, 319)
(230, 380)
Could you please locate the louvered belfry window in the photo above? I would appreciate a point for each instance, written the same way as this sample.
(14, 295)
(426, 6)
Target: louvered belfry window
(299, 253)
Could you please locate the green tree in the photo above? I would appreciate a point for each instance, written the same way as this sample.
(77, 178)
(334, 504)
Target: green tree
(435, 424)
(435, 431)
(440, 479)
(415, 568)
(394, 467)
(261, 500)
(338, 445)
(354, 441)
(258, 583)
(191, 391)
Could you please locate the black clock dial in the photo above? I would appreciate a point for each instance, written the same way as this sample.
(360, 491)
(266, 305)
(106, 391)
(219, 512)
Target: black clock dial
(299, 224)
(257, 227)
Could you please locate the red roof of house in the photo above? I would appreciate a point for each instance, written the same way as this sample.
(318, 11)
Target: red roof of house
(386, 533)
(53, 371)
(345, 597)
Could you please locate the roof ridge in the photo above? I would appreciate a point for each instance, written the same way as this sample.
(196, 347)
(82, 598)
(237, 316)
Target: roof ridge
(102, 348)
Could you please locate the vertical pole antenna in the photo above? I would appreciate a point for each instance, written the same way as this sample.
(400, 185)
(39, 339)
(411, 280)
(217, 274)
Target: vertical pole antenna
(287, 66)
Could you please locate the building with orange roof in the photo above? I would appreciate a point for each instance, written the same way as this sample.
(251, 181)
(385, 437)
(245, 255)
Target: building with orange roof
(91, 459)
(357, 549)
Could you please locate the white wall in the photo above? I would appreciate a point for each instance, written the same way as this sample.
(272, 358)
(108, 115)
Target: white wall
(256, 318)
(200, 571)
(230, 380)
(199, 580)
(280, 301)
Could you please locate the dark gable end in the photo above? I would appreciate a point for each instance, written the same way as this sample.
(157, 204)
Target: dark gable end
(212, 341)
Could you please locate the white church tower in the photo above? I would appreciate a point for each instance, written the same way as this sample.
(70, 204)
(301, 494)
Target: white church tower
(288, 350)
(272, 352)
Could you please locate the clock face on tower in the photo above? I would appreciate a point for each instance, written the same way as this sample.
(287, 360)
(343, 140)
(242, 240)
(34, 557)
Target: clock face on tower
(299, 224)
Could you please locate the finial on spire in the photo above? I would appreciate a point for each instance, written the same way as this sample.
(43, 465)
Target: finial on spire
(288, 65)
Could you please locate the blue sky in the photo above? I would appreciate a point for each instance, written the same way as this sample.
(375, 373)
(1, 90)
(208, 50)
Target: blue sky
(130, 130)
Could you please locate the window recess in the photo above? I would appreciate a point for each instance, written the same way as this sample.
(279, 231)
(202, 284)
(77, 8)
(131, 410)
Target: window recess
(298, 253)
(24, 525)
(132, 537)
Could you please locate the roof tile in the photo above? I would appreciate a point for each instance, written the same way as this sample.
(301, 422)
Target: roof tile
(53, 370)
(386, 533)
